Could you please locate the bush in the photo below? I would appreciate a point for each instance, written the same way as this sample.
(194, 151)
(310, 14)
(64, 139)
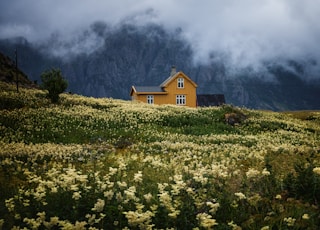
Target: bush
(53, 81)
(304, 184)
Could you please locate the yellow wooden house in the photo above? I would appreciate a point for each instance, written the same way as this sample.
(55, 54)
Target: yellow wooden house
(177, 89)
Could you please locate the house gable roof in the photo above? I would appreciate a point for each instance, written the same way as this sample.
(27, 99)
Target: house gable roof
(173, 77)
(160, 89)
(147, 90)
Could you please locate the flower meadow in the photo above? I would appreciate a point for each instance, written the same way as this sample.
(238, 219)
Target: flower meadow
(89, 163)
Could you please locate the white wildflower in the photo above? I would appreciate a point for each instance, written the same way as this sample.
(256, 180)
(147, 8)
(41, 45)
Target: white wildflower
(10, 204)
(234, 226)
(240, 195)
(265, 172)
(278, 197)
(252, 173)
(33, 223)
(138, 177)
(265, 228)
(206, 220)
(112, 171)
(108, 194)
(174, 213)
(131, 193)
(122, 184)
(98, 206)
(165, 199)
(290, 221)
(316, 170)
(305, 216)
(214, 207)
(76, 195)
(139, 218)
(148, 197)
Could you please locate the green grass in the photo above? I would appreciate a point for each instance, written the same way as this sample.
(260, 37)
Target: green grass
(111, 164)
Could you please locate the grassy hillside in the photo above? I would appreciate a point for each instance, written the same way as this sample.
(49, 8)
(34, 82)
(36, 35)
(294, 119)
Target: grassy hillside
(112, 164)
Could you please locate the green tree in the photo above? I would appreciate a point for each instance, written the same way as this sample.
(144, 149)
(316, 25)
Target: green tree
(53, 81)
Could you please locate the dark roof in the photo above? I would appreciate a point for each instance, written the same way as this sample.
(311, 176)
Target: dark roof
(150, 89)
(210, 99)
(167, 80)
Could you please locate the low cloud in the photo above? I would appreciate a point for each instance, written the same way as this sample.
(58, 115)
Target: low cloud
(247, 32)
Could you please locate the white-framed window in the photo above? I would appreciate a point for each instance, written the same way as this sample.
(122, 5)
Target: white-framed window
(180, 82)
(150, 99)
(181, 99)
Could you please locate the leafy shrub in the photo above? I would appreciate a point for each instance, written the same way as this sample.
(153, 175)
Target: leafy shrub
(304, 184)
(53, 81)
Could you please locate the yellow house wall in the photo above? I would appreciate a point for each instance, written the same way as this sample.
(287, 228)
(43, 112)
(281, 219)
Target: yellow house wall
(189, 90)
(138, 97)
(172, 91)
(158, 99)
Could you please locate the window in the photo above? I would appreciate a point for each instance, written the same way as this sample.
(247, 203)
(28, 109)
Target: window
(180, 82)
(181, 99)
(150, 99)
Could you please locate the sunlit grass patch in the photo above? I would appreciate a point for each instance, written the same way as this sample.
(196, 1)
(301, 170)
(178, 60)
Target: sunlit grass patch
(305, 114)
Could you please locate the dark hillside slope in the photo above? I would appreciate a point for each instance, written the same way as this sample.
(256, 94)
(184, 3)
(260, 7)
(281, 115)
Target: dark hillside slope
(10, 74)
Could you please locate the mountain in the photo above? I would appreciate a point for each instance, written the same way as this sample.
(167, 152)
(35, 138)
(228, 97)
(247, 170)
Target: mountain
(143, 55)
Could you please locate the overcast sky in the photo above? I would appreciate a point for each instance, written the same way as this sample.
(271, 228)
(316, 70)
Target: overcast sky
(247, 30)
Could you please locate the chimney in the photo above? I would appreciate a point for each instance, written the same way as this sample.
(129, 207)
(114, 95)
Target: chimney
(173, 70)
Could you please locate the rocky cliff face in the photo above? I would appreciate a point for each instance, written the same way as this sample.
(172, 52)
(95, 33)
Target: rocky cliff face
(131, 55)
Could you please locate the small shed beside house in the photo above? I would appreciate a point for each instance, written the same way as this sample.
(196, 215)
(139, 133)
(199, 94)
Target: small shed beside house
(205, 100)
